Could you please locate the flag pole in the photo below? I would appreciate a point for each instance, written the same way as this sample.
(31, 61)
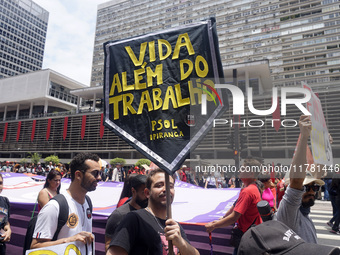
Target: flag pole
(168, 207)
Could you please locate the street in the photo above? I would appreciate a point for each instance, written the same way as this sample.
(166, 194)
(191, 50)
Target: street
(321, 213)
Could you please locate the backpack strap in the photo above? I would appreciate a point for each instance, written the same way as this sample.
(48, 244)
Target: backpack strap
(88, 199)
(8, 206)
(63, 213)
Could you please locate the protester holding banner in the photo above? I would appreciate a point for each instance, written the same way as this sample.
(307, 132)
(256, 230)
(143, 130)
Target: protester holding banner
(244, 212)
(51, 188)
(147, 231)
(85, 174)
(5, 228)
(138, 201)
(300, 195)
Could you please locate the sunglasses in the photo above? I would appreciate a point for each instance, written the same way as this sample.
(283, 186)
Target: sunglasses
(95, 173)
(314, 187)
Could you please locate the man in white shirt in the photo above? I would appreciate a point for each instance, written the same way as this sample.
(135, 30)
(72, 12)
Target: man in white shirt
(116, 173)
(85, 174)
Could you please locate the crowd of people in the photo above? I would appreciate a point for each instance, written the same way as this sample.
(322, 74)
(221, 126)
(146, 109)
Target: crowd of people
(139, 224)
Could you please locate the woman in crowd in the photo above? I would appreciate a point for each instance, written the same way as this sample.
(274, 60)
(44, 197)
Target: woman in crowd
(126, 191)
(267, 194)
(5, 228)
(51, 188)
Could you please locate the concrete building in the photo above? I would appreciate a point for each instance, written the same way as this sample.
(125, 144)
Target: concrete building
(37, 94)
(298, 39)
(23, 26)
(269, 43)
(27, 102)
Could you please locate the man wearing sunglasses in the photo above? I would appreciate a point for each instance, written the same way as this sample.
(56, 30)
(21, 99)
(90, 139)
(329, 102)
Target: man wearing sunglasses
(85, 174)
(300, 195)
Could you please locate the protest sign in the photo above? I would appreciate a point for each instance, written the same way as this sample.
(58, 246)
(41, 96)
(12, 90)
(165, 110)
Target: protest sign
(321, 147)
(72, 248)
(152, 85)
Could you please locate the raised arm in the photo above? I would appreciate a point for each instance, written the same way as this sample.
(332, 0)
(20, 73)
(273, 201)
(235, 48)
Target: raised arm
(299, 163)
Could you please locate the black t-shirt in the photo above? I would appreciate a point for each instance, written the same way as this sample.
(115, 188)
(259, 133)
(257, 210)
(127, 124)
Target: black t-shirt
(142, 233)
(116, 217)
(4, 211)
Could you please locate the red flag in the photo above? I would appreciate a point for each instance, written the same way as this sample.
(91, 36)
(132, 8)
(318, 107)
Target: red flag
(101, 133)
(18, 131)
(65, 128)
(5, 132)
(277, 116)
(48, 131)
(33, 130)
(83, 126)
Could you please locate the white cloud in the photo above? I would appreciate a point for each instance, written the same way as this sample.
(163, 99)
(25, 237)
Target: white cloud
(70, 37)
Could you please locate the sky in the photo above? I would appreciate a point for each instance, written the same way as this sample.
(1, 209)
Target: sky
(70, 37)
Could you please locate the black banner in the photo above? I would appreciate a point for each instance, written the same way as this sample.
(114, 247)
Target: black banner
(153, 87)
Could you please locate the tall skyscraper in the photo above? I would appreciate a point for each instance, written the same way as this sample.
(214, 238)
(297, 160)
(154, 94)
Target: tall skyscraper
(23, 26)
(300, 38)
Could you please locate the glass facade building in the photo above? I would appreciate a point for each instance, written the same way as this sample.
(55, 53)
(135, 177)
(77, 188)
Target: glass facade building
(23, 26)
(300, 38)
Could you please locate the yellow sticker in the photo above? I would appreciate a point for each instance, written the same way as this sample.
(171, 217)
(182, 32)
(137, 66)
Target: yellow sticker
(72, 220)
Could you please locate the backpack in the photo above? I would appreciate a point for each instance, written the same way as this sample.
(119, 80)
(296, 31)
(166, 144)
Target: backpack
(62, 219)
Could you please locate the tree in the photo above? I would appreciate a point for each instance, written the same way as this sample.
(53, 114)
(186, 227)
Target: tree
(117, 160)
(23, 161)
(35, 157)
(143, 161)
(52, 158)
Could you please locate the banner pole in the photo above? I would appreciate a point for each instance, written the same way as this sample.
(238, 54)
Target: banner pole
(168, 207)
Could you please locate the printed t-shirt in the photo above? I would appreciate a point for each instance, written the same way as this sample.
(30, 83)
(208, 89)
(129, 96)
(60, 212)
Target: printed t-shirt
(79, 219)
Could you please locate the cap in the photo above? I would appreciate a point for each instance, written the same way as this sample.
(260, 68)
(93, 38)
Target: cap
(274, 237)
(137, 180)
(308, 179)
(136, 167)
(184, 166)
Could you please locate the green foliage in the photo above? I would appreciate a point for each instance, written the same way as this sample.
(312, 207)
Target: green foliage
(52, 158)
(143, 161)
(35, 157)
(117, 160)
(23, 161)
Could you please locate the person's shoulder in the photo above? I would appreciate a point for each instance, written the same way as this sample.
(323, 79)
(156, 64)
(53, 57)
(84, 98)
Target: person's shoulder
(250, 188)
(138, 214)
(124, 209)
(43, 191)
(4, 199)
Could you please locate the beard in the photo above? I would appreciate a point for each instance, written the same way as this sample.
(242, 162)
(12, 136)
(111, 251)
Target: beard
(142, 203)
(88, 186)
(308, 203)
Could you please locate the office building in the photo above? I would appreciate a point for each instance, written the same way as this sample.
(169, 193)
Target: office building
(299, 39)
(269, 43)
(23, 26)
